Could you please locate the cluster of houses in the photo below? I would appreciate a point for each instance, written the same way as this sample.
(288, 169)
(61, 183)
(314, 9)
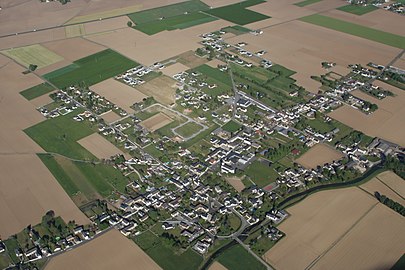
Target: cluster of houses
(133, 76)
(396, 7)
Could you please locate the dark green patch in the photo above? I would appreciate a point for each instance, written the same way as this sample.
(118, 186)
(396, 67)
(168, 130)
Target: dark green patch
(37, 91)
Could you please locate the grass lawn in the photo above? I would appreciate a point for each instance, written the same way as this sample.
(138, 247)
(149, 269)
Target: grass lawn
(12, 244)
(60, 135)
(37, 91)
(165, 256)
(306, 3)
(261, 173)
(177, 22)
(237, 13)
(356, 30)
(91, 69)
(168, 11)
(231, 126)
(188, 129)
(200, 136)
(236, 30)
(5, 260)
(152, 150)
(357, 9)
(237, 257)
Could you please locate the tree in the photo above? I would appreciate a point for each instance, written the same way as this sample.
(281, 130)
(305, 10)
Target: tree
(32, 67)
(129, 23)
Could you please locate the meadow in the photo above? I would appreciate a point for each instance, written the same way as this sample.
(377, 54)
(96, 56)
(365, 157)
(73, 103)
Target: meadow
(357, 9)
(237, 258)
(37, 91)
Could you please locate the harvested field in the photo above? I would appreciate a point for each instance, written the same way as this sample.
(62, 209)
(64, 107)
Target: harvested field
(299, 40)
(99, 146)
(217, 266)
(110, 117)
(393, 181)
(105, 25)
(191, 60)
(220, 3)
(162, 88)
(155, 122)
(42, 100)
(174, 69)
(83, 48)
(76, 30)
(376, 184)
(376, 242)
(111, 250)
(215, 62)
(236, 183)
(319, 155)
(387, 122)
(33, 54)
(118, 93)
(317, 223)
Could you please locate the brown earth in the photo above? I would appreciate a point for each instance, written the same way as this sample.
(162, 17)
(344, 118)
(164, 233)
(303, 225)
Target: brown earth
(174, 69)
(110, 117)
(319, 155)
(236, 183)
(155, 122)
(376, 184)
(162, 89)
(99, 146)
(118, 93)
(111, 250)
(191, 60)
(217, 266)
(42, 100)
(393, 181)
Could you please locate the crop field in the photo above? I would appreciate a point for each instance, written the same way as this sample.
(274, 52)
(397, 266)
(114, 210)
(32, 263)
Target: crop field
(164, 255)
(215, 74)
(378, 185)
(236, 30)
(33, 54)
(237, 257)
(156, 122)
(36, 91)
(99, 146)
(238, 13)
(260, 173)
(357, 30)
(91, 69)
(306, 3)
(174, 69)
(75, 30)
(393, 181)
(162, 89)
(319, 155)
(172, 23)
(188, 129)
(111, 250)
(357, 9)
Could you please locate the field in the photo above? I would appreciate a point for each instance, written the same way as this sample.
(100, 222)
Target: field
(321, 225)
(99, 146)
(393, 181)
(111, 250)
(33, 54)
(231, 126)
(319, 155)
(162, 89)
(91, 69)
(237, 257)
(36, 91)
(174, 69)
(260, 173)
(376, 184)
(156, 122)
(357, 30)
(306, 3)
(120, 94)
(357, 9)
(188, 129)
(76, 30)
(110, 117)
(238, 13)
(387, 122)
(236, 183)
(217, 266)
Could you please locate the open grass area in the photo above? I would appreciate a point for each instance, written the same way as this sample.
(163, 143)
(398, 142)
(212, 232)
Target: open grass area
(177, 22)
(356, 30)
(188, 129)
(60, 135)
(37, 91)
(358, 9)
(231, 126)
(214, 73)
(236, 30)
(152, 150)
(91, 69)
(168, 11)
(237, 257)
(200, 136)
(164, 255)
(307, 2)
(260, 173)
(34, 54)
(238, 13)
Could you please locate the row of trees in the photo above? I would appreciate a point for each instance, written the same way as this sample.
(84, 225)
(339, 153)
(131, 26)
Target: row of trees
(397, 207)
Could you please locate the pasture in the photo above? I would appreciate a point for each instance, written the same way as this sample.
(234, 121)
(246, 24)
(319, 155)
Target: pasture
(358, 9)
(37, 91)
(237, 257)
(33, 54)
(91, 69)
(356, 30)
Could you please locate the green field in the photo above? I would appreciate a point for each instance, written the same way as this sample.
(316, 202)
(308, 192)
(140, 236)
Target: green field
(37, 91)
(33, 54)
(261, 174)
(165, 256)
(238, 13)
(200, 136)
(152, 150)
(237, 257)
(188, 129)
(91, 69)
(60, 135)
(236, 30)
(231, 126)
(215, 74)
(357, 9)
(155, 14)
(307, 2)
(356, 30)
(177, 22)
